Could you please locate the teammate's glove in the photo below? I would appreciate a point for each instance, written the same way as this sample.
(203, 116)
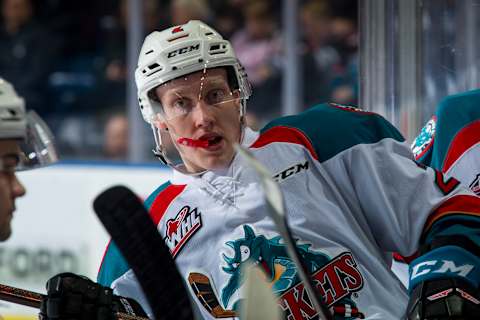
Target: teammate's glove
(445, 281)
(73, 297)
(444, 299)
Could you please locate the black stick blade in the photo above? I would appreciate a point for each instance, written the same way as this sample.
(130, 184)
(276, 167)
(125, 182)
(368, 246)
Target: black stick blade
(133, 231)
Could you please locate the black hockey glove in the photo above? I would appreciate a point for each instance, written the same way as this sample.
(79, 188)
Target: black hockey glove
(73, 297)
(445, 280)
(444, 299)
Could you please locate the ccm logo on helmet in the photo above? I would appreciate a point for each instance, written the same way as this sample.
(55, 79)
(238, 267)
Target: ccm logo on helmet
(183, 50)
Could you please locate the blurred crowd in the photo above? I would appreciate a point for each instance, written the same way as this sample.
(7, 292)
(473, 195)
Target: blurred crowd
(68, 59)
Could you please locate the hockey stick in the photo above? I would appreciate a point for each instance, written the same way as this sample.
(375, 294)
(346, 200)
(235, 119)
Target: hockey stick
(34, 299)
(276, 210)
(260, 301)
(203, 289)
(133, 231)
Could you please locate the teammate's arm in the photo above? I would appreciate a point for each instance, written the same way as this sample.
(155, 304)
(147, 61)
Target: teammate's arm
(412, 208)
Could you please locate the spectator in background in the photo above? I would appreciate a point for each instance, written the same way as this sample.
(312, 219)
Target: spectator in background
(114, 74)
(182, 11)
(26, 53)
(316, 20)
(326, 52)
(115, 137)
(258, 47)
(227, 19)
(345, 40)
(320, 61)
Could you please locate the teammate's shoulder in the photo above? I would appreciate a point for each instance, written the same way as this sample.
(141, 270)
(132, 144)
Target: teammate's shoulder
(462, 107)
(457, 129)
(332, 128)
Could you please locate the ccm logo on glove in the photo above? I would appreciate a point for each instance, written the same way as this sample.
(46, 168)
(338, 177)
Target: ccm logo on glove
(445, 266)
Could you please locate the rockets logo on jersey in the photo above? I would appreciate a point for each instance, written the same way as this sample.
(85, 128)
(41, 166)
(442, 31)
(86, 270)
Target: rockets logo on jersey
(336, 279)
(475, 185)
(180, 229)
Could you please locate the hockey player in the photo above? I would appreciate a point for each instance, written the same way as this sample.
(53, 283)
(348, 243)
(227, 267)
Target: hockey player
(353, 195)
(25, 142)
(450, 142)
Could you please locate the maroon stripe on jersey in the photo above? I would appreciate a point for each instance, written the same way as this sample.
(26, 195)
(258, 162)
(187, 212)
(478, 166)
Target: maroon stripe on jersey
(284, 134)
(463, 140)
(456, 205)
(163, 200)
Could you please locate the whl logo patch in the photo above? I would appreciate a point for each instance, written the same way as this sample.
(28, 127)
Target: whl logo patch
(180, 229)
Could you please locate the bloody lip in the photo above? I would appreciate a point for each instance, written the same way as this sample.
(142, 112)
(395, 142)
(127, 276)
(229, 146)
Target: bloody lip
(196, 143)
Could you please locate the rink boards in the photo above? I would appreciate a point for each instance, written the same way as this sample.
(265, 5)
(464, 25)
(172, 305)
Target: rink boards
(55, 228)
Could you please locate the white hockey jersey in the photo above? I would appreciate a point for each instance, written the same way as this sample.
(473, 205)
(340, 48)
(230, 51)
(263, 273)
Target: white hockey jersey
(353, 195)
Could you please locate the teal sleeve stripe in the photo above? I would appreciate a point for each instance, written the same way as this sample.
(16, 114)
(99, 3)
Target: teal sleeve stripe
(151, 198)
(114, 264)
(333, 129)
(456, 225)
(453, 113)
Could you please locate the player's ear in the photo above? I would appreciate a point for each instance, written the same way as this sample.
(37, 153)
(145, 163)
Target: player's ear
(160, 123)
(163, 125)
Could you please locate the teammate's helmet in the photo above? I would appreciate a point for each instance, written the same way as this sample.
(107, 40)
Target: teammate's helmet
(181, 50)
(12, 113)
(37, 146)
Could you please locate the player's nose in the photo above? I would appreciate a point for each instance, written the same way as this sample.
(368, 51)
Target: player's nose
(203, 114)
(18, 190)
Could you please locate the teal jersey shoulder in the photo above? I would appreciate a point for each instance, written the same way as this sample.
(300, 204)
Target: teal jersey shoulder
(454, 113)
(114, 264)
(333, 128)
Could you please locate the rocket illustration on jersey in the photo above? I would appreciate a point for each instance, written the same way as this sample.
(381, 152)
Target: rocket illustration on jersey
(180, 229)
(336, 278)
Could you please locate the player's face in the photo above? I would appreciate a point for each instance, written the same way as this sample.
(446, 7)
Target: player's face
(202, 107)
(10, 187)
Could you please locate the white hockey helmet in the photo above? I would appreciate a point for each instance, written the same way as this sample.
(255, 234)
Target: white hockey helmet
(181, 50)
(37, 145)
(175, 53)
(13, 123)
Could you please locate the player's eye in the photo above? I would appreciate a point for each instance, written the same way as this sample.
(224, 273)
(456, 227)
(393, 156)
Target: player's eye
(9, 162)
(216, 96)
(181, 106)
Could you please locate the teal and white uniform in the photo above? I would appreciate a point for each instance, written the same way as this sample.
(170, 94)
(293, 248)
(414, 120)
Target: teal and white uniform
(450, 141)
(353, 195)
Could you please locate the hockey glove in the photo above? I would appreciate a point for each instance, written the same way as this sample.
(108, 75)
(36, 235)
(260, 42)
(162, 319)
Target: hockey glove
(444, 299)
(73, 297)
(444, 284)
